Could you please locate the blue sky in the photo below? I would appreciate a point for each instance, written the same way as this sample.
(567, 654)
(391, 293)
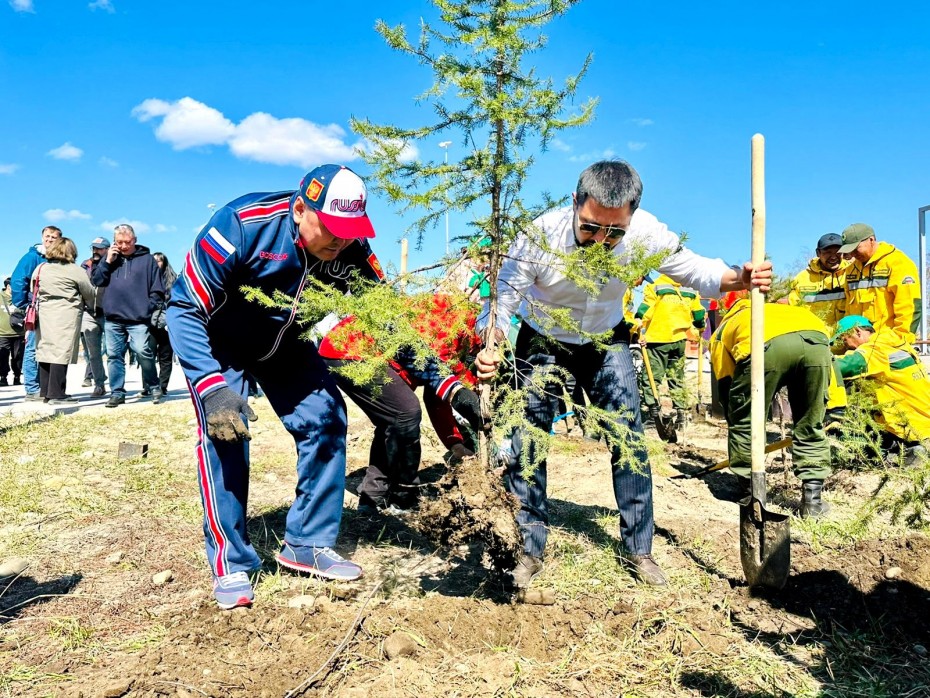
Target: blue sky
(115, 110)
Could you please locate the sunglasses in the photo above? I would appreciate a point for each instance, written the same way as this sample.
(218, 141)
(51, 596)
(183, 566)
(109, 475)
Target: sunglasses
(610, 232)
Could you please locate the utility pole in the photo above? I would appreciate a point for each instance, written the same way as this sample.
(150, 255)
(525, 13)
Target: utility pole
(445, 146)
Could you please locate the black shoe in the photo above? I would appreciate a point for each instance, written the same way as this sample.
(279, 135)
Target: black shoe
(4, 382)
(812, 506)
(116, 401)
(145, 392)
(371, 506)
(17, 380)
(156, 395)
(644, 569)
(99, 391)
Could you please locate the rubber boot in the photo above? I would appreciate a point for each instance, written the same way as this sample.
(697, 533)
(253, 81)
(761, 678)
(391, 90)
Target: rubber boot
(652, 415)
(812, 506)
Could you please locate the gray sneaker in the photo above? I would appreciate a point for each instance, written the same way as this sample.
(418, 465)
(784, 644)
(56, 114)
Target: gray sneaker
(34, 397)
(526, 570)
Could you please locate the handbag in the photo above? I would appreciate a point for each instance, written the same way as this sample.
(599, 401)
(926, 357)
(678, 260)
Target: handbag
(32, 310)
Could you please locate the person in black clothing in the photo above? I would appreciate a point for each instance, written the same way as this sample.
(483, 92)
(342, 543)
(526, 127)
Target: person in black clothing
(158, 329)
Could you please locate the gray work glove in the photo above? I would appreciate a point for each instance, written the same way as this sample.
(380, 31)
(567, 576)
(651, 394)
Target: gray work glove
(224, 410)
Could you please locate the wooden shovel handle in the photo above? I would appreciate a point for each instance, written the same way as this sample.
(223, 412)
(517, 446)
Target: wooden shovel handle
(757, 318)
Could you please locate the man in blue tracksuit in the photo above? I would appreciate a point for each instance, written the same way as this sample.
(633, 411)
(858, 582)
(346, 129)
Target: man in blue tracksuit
(273, 242)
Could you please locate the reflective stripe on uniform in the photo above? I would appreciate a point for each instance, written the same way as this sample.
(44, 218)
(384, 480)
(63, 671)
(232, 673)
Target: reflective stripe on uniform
(867, 283)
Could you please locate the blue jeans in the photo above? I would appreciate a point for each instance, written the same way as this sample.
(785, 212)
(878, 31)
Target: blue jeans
(30, 366)
(134, 335)
(609, 379)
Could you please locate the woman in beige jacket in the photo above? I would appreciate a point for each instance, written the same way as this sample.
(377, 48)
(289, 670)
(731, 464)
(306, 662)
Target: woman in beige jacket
(63, 290)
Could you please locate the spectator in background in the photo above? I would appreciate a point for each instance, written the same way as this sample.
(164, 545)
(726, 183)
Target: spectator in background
(21, 295)
(93, 321)
(135, 290)
(158, 330)
(11, 340)
(63, 290)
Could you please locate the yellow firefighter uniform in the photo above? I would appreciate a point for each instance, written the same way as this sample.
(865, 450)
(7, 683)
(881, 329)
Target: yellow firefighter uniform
(902, 386)
(669, 310)
(820, 291)
(886, 290)
(797, 357)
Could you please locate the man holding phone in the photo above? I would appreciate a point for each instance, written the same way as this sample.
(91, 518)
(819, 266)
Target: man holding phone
(134, 291)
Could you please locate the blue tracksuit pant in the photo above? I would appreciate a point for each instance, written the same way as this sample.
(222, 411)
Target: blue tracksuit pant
(608, 377)
(304, 396)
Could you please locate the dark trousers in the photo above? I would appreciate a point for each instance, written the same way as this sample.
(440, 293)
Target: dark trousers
(801, 362)
(11, 355)
(394, 457)
(164, 355)
(608, 378)
(52, 380)
(667, 361)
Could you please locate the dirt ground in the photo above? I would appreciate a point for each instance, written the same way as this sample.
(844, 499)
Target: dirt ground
(87, 619)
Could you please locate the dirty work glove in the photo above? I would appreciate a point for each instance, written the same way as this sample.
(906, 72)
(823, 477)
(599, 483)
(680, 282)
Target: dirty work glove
(224, 410)
(466, 403)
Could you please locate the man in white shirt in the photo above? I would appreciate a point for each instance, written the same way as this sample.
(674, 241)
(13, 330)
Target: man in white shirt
(605, 210)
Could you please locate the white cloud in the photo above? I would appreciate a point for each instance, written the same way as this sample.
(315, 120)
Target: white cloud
(140, 227)
(408, 151)
(635, 146)
(104, 5)
(56, 215)
(596, 156)
(265, 138)
(22, 5)
(66, 152)
(641, 122)
(187, 123)
(559, 144)
(8, 168)
(108, 162)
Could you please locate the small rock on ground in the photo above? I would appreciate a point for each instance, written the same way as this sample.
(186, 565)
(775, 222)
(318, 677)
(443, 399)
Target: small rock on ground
(13, 566)
(303, 601)
(399, 644)
(162, 578)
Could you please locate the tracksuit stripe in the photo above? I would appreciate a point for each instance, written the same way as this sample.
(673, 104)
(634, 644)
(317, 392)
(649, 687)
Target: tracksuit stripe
(219, 564)
(198, 288)
(446, 386)
(208, 383)
(247, 215)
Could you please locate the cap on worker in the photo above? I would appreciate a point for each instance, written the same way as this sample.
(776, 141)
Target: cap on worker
(339, 197)
(855, 234)
(850, 322)
(829, 240)
(99, 243)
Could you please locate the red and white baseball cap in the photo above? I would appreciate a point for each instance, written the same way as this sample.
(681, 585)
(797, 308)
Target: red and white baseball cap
(339, 197)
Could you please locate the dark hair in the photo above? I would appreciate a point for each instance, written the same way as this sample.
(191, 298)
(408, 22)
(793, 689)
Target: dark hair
(612, 183)
(169, 275)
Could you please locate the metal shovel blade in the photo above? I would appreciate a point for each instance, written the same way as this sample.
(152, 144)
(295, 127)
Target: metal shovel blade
(764, 542)
(665, 427)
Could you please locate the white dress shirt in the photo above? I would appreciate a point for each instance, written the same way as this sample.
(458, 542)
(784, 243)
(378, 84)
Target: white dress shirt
(531, 278)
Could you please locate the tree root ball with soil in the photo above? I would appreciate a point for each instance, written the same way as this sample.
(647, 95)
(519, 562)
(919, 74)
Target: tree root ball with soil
(470, 503)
